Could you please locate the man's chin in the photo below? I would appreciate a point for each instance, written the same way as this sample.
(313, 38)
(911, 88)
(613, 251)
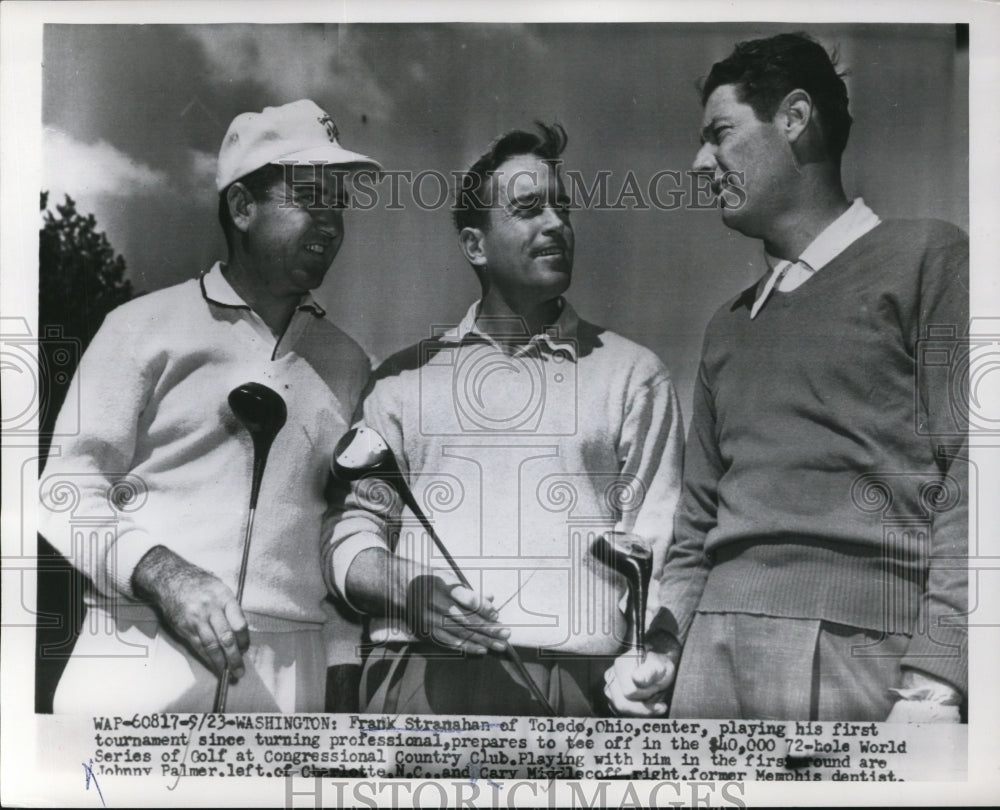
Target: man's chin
(307, 280)
(557, 280)
(736, 219)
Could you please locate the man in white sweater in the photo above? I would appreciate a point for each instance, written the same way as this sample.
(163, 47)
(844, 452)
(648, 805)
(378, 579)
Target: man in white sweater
(150, 498)
(524, 432)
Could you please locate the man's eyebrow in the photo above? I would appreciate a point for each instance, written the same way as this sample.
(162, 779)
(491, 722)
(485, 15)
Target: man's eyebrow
(523, 198)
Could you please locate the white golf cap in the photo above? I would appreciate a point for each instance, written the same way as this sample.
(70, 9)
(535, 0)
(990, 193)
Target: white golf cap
(299, 132)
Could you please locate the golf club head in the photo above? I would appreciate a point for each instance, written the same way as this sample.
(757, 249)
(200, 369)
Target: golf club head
(363, 452)
(260, 409)
(629, 555)
(263, 412)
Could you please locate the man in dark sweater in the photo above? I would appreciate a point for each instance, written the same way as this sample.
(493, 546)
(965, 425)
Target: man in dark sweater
(818, 563)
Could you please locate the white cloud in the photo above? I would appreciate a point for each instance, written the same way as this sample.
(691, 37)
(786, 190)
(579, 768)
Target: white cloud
(294, 62)
(201, 169)
(90, 170)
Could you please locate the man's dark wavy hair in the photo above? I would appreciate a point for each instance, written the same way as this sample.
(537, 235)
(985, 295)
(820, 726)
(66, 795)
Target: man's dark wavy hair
(764, 71)
(473, 197)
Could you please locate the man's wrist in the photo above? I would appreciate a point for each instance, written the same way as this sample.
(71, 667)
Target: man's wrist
(149, 570)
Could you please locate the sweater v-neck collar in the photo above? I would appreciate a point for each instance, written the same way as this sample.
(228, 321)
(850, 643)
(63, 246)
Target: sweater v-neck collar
(846, 256)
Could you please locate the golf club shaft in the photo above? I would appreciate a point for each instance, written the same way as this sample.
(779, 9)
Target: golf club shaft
(509, 651)
(639, 597)
(411, 502)
(246, 555)
(222, 692)
(640, 642)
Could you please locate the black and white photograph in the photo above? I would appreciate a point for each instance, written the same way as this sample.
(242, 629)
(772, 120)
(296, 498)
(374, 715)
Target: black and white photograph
(499, 408)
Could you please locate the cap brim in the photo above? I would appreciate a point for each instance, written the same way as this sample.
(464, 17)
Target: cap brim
(331, 155)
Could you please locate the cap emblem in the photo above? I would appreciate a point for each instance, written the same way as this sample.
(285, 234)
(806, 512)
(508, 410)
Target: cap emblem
(331, 128)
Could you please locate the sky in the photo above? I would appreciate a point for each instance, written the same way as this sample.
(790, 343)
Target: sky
(133, 117)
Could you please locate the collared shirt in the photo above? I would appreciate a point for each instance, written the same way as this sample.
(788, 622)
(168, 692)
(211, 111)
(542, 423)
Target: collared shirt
(560, 336)
(152, 392)
(522, 460)
(217, 289)
(846, 229)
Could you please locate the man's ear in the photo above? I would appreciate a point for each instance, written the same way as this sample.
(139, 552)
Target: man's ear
(241, 205)
(794, 114)
(471, 242)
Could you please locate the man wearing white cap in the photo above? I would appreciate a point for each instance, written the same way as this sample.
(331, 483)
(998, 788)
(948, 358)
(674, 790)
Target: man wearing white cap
(162, 467)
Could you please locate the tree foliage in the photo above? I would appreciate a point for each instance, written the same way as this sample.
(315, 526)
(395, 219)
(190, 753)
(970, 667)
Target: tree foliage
(80, 280)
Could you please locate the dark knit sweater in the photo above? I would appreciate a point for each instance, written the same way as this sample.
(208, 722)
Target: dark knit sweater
(815, 486)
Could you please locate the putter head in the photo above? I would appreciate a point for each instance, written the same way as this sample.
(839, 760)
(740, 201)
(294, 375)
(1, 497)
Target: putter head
(260, 409)
(629, 555)
(362, 452)
(626, 553)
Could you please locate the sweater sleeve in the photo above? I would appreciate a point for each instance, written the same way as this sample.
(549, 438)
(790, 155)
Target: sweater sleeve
(651, 446)
(86, 486)
(939, 646)
(686, 565)
(359, 514)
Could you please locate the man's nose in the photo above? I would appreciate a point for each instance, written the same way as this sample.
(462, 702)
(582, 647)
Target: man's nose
(329, 219)
(704, 160)
(554, 218)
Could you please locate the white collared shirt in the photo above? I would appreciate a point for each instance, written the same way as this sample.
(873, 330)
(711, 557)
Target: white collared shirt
(217, 289)
(846, 229)
(560, 336)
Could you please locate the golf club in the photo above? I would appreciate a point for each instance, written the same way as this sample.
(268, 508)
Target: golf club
(262, 411)
(629, 555)
(363, 453)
